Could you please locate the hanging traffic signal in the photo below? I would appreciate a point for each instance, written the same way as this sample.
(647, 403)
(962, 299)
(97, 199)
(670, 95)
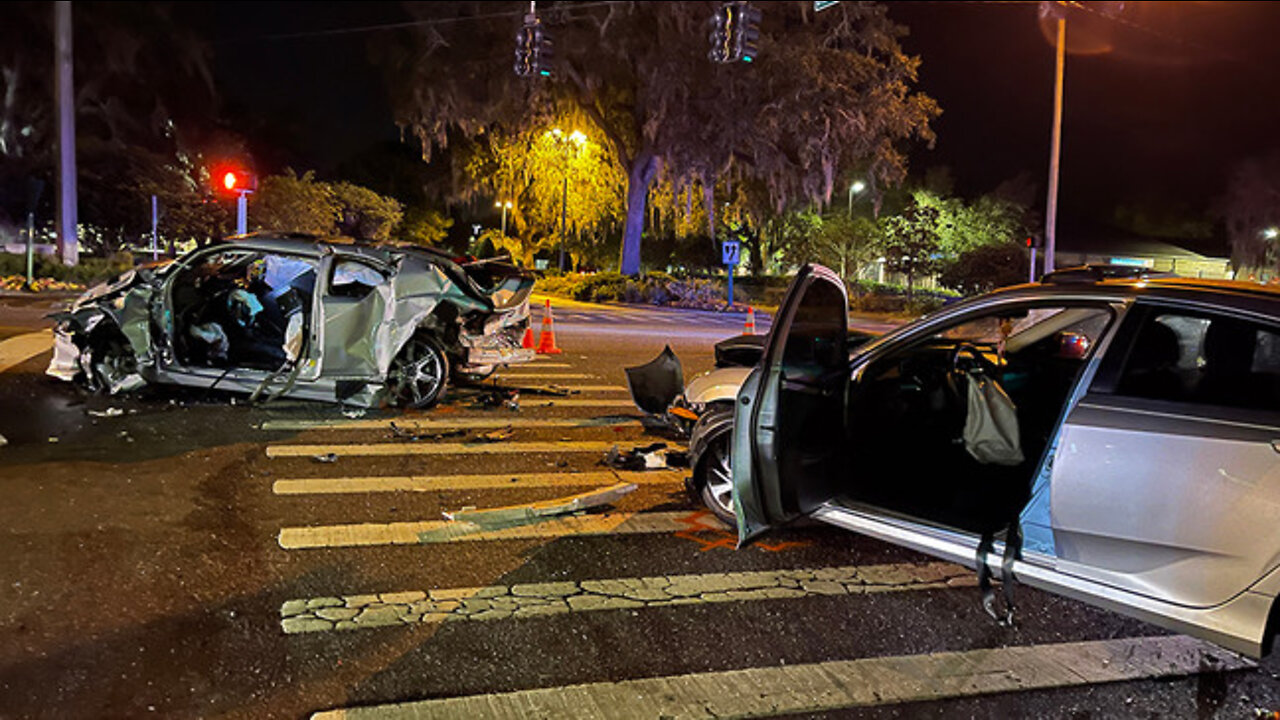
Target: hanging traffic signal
(749, 33)
(735, 32)
(533, 49)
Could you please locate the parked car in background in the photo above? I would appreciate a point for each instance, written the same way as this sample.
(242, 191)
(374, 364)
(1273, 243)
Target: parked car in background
(298, 316)
(1115, 441)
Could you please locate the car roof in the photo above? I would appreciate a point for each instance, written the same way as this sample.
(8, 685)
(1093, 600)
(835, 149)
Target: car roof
(1235, 294)
(312, 245)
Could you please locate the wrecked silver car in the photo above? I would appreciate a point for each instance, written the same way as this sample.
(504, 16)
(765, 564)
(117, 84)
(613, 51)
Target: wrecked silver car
(298, 316)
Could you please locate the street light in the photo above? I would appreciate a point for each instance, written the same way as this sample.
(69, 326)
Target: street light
(505, 207)
(571, 142)
(1271, 233)
(855, 189)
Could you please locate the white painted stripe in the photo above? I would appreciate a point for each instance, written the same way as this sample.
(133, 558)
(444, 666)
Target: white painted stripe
(440, 531)
(440, 448)
(577, 388)
(21, 348)
(545, 376)
(544, 364)
(825, 686)
(500, 602)
(416, 424)
(433, 483)
(529, 401)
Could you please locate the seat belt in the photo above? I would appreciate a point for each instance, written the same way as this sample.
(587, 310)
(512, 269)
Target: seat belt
(1012, 551)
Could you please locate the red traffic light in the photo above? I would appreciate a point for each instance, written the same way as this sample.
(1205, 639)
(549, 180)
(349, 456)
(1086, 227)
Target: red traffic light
(234, 180)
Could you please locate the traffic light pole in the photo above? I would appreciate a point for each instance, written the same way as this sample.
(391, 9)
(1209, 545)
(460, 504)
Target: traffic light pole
(564, 207)
(242, 212)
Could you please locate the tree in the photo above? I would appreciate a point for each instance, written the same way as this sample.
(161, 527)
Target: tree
(985, 268)
(911, 242)
(831, 91)
(1250, 207)
(424, 227)
(364, 214)
(293, 203)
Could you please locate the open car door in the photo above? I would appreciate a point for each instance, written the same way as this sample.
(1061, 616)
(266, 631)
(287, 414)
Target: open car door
(789, 421)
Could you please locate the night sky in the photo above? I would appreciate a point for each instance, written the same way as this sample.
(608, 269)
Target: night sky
(1160, 102)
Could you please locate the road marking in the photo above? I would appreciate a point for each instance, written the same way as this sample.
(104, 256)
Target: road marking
(825, 686)
(432, 483)
(21, 348)
(499, 602)
(535, 401)
(546, 376)
(442, 448)
(575, 388)
(440, 531)
(545, 364)
(421, 424)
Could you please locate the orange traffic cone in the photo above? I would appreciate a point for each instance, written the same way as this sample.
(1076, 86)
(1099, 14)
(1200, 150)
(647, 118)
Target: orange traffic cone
(547, 338)
(750, 327)
(526, 343)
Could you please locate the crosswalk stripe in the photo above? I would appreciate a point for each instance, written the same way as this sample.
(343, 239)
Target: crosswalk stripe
(533, 401)
(431, 483)
(446, 423)
(833, 685)
(440, 531)
(18, 349)
(500, 602)
(545, 376)
(576, 388)
(440, 448)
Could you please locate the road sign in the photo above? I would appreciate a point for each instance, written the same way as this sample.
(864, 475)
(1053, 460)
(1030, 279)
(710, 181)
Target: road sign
(730, 251)
(820, 5)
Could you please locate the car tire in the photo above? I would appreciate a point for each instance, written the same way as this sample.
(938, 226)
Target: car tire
(711, 475)
(110, 361)
(418, 376)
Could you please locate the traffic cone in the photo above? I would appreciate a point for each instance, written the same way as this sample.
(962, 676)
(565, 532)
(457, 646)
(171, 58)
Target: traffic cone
(547, 338)
(750, 327)
(526, 343)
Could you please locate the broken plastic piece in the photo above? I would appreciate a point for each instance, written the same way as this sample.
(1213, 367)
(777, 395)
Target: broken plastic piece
(532, 512)
(655, 385)
(500, 435)
(648, 457)
(108, 413)
(353, 414)
(326, 458)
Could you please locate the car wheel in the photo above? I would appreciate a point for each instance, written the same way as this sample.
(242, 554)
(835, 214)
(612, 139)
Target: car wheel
(111, 364)
(418, 375)
(711, 475)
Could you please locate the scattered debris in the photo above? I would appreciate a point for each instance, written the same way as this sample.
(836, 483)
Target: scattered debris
(498, 397)
(124, 435)
(533, 512)
(399, 433)
(500, 435)
(108, 413)
(326, 458)
(648, 457)
(513, 402)
(677, 459)
(561, 390)
(353, 414)
(53, 438)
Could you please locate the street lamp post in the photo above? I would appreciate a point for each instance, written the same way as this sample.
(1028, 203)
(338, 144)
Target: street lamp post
(571, 142)
(1055, 143)
(505, 206)
(855, 189)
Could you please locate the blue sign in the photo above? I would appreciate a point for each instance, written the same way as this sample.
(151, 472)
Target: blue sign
(730, 251)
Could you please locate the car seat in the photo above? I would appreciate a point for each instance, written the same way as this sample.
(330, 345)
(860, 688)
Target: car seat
(1227, 377)
(1152, 370)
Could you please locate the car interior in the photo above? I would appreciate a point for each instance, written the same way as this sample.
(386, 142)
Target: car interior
(905, 445)
(241, 309)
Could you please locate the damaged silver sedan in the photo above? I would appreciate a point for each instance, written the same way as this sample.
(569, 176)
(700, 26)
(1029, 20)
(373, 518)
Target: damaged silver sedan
(298, 316)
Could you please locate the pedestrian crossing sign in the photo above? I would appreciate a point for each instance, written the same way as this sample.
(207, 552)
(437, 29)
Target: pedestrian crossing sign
(730, 250)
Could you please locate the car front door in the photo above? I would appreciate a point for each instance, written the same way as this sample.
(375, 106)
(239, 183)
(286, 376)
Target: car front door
(353, 327)
(789, 421)
(1167, 480)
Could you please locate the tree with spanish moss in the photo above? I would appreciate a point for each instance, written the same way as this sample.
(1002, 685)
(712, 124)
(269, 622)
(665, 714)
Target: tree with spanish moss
(829, 91)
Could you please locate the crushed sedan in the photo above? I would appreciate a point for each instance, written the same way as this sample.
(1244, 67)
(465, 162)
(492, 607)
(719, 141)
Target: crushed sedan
(298, 316)
(1115, 441)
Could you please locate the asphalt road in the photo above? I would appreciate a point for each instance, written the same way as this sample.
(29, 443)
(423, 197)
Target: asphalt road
(191, 558)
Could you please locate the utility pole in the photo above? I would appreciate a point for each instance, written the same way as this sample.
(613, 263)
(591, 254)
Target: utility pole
(68, 242)
(1055, 146)
(564, 207)
(155, 236)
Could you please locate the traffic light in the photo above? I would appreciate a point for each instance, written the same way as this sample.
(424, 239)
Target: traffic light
(749, 33)
(533, 49)
(735, 32)
(235, 180)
